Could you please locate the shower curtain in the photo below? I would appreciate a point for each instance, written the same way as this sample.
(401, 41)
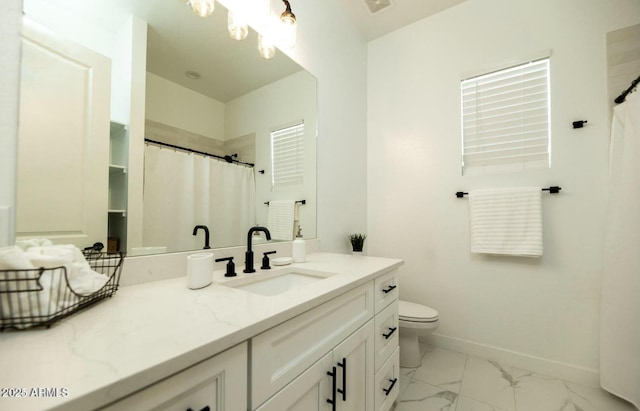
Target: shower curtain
(620, 305)
(182, 190)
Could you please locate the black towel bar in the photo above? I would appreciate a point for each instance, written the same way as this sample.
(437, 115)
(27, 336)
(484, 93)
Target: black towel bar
(297, 201)
(551, 190)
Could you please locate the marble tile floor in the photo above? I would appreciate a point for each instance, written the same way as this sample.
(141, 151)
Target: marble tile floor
(451, 381)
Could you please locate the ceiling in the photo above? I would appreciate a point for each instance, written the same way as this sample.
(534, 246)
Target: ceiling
(397, 14)
(179, 41)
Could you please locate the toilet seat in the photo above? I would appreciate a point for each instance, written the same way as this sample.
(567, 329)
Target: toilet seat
(416, 313)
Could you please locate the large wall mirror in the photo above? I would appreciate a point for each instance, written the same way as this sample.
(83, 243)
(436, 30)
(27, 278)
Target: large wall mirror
(203, 93)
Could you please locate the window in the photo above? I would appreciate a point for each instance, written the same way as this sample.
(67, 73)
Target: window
(287, 156)
(505, 119)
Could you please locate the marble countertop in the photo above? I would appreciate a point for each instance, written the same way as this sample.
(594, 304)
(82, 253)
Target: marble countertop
(149, 331)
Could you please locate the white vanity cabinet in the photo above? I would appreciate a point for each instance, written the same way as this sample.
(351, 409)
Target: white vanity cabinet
(219, 383)
(341, 380)
(284, 352)
(341, 355)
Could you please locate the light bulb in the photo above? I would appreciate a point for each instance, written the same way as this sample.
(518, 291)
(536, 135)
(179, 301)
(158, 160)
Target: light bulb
(266, 47)
(288, 27)
(203, 8)
(238, 27)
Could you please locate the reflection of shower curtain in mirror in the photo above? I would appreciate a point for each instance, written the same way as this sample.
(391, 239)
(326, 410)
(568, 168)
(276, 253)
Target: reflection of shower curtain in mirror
(620, 304)
(182, 190)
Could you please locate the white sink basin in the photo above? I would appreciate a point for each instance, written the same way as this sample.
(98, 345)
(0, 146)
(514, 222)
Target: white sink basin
(277, 281)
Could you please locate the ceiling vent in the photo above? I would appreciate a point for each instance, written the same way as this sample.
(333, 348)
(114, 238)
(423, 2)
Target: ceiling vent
(376, 6)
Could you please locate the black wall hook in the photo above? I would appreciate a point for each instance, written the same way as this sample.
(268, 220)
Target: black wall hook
(579, 123)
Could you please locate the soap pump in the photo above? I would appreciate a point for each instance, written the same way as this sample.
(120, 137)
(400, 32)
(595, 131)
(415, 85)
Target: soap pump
(299, 248)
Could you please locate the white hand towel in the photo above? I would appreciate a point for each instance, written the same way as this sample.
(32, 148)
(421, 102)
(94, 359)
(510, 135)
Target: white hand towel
(34, 242)
(280, 220)
(85, 281)
(14, 258)
(506, 221)
(30, 302)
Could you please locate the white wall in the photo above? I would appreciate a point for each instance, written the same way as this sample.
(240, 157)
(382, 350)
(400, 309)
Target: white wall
(10, 12)
(544, 312)
(177, 106)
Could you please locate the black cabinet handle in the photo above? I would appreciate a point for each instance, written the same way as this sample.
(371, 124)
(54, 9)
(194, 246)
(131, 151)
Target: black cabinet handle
(388, 390)
(204, 409)
(390, 333)
(333, 376)
(343, 391)
(389, 289)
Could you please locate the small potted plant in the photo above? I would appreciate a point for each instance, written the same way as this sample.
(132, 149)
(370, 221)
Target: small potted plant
(357, 242)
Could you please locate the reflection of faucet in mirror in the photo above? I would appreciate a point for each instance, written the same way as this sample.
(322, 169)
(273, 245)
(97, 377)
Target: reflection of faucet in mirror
(206, 234)
(248, 262)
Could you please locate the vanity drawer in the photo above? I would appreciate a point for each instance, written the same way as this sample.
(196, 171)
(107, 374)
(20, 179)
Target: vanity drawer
(387, 330)
(386, 287)
(219, 383)
(285, 351)
(387, 382)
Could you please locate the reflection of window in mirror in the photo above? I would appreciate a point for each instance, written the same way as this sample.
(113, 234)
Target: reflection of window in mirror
(287, 156)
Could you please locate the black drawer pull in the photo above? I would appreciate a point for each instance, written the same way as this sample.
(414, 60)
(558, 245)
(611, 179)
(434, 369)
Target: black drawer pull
(389, 289)
(343, 391)
(204, 409)
(390, 333)
(388, 390)
(333, 376)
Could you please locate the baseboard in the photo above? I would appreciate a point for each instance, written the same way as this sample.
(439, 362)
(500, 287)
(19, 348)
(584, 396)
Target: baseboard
(569, 372)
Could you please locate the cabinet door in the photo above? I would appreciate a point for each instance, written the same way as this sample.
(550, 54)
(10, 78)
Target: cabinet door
(309, 392)
(354, 363)
(219, 383)
(63, 144)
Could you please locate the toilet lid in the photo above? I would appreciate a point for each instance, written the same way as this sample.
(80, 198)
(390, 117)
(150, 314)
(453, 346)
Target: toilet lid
(416, 312)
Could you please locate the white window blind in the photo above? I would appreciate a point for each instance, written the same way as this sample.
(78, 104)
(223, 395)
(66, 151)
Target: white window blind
(505, 119)
(287, 156)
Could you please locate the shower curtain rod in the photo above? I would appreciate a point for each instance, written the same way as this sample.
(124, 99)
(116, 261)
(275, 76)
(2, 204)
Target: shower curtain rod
(622, 96)
(552, 190)
(228, 159)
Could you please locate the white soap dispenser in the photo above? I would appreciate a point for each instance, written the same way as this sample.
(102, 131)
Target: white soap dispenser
(299, 248)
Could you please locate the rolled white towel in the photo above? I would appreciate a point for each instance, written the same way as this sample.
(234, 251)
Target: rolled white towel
(14, 258)
(34, 242)
(31, 302)
(85, 281)
(82, 279)
(48, 261)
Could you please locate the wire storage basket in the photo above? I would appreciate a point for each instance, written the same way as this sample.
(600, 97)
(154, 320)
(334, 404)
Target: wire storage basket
(43, 296)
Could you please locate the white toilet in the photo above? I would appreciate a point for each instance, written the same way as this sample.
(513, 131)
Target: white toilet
(415, 320)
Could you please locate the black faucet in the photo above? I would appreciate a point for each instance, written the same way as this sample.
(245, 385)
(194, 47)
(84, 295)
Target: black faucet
(248, 256)
(206, 234)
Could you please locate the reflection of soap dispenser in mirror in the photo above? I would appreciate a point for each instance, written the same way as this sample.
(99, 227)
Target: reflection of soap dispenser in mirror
(299, 248)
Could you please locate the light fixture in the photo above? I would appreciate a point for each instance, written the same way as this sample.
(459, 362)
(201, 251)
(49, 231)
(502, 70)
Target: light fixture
(258, 12)
(288, 26)
(203, 8)
(237, 25)
(266, 47)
